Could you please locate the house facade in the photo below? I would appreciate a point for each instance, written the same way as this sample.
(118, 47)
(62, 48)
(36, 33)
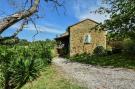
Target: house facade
(82, 37)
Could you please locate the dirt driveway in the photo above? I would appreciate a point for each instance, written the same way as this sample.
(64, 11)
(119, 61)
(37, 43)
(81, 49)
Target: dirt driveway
(97, 77)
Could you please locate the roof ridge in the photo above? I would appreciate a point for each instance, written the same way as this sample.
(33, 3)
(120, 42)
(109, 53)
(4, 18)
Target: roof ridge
(83, 21)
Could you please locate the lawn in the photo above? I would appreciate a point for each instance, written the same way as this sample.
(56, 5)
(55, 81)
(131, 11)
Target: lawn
(51, 79)
(115, 60)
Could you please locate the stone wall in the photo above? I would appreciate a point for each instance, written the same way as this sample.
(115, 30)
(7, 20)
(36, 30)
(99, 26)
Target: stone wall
(77, 33)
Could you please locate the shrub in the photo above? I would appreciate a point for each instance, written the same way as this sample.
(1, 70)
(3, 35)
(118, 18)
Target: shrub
(129, 46)
(109, 50)
(99, 50)
(80, 57)
(117, 46)
(20, 64)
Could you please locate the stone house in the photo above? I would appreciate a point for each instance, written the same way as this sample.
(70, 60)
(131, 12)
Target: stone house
(82, 37)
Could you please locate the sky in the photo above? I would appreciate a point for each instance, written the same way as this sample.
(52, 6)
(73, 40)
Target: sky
(52, 22)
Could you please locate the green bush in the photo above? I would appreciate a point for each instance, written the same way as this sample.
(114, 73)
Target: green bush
(129, 46)
(21, 64)
(18, 66)
(99, 50)
(117, 46)
(109, 50)
(80, 57)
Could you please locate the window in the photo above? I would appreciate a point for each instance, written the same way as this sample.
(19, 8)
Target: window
(87, 39)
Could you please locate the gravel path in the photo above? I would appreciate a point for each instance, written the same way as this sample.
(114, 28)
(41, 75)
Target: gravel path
(97, 77)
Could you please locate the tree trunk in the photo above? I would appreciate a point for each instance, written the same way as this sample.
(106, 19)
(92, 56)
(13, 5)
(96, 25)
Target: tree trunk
(9, 21)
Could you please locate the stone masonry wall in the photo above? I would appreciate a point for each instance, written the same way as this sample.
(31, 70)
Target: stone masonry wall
(77, 33)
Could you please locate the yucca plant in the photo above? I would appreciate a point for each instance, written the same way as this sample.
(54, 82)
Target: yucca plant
(21, 64)
(19, 68)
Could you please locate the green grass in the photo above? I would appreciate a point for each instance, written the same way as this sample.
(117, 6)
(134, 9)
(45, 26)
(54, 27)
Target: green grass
(115, 60)
(51, 79)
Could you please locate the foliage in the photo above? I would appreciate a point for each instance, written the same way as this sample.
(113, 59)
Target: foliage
(108, 50)
(51, 79)
(126, 46)
(129, 46)
(13, 41)
(80, 57)
(44, 49)
(99, 50)
(20, 64)
(122, 22)
(23, 42)
(117, 47)
(9, 41)
(115, 60)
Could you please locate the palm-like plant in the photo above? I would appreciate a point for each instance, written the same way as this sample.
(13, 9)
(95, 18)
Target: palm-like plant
(19, 69)
(21, 64)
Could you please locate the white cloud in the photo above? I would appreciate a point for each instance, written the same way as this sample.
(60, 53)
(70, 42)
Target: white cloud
(50, 28)
(82, 10)
(93, 16)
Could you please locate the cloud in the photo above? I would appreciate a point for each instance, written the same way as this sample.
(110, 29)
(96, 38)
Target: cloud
(93, 16)
(82, 10)
(49, 28)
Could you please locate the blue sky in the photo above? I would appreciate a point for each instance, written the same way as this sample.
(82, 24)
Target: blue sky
(51, 22)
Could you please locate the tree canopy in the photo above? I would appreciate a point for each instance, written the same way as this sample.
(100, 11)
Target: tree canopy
(122, 18)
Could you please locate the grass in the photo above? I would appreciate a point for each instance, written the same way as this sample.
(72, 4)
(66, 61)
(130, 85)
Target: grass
(115, 60)
(51, 79)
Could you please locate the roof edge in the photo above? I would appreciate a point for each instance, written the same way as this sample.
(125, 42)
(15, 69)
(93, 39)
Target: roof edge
(83, 21)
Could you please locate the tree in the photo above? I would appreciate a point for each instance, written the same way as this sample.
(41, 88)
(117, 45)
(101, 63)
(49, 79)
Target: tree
(122, 18)
(24, 15)
(9, 21)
